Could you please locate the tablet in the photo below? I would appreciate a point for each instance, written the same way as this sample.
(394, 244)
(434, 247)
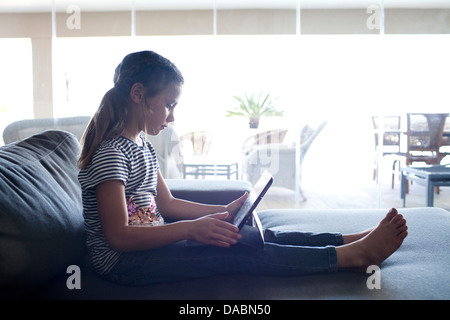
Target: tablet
(253, 199)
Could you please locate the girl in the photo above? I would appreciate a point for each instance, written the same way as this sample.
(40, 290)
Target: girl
(126, 200)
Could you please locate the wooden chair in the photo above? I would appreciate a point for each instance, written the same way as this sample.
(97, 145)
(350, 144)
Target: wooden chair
(262, 138)
(199, 140)
(446, 134)
(424, 137)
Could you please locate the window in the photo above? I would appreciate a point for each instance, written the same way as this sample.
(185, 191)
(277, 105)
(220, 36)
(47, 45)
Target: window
(16, 81)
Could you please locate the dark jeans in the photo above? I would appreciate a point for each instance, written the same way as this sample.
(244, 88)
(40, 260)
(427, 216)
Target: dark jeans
(283, 253)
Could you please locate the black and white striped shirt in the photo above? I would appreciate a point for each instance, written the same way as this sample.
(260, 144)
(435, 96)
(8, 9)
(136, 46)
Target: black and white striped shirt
(119, 159)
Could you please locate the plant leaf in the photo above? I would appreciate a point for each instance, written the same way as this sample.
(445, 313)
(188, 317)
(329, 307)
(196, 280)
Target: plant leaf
(250, 107)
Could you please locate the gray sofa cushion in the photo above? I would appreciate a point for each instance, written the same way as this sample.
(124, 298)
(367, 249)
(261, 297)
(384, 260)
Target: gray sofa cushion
(41, 222)
(208, 191)
(418, 270)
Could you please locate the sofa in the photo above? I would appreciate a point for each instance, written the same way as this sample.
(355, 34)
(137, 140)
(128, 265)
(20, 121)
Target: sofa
(43, 254)
(21, 129)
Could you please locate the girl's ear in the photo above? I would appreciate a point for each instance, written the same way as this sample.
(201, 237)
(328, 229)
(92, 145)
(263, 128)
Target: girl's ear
(137, 92)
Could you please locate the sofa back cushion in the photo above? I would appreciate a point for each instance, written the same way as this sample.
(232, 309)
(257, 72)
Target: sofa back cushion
(41, 221)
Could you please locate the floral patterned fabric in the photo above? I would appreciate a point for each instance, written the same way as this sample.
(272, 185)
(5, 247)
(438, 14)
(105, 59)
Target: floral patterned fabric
(143, 214)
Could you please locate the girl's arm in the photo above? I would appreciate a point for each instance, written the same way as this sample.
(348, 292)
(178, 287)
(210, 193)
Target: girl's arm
(112, 209)
(178, 209)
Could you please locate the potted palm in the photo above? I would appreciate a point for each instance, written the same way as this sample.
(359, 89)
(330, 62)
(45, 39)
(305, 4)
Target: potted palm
(254, 108)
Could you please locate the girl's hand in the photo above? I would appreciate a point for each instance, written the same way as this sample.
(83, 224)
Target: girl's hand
(233, 207)
(213, 230)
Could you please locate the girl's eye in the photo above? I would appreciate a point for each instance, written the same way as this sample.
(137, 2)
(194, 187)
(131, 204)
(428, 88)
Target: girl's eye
(171, 106)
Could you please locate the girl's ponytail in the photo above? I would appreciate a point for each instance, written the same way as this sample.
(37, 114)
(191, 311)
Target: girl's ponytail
(107, 122)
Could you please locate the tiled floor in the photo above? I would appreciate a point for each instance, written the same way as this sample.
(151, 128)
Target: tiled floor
(333, 194)
(349, 198)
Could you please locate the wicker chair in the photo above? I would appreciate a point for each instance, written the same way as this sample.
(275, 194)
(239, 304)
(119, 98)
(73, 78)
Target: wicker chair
(199, 141)
(280, 160)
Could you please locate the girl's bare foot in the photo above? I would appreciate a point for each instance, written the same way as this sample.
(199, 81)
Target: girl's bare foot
(349, 238)
(377, 245)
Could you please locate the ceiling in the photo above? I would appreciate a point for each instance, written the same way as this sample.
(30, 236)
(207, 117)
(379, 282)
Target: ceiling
(125, 5)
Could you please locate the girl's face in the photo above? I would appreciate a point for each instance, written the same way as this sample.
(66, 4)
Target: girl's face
(160, 109)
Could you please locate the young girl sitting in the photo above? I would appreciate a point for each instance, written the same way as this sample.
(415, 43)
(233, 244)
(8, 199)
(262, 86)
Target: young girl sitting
(126, 200)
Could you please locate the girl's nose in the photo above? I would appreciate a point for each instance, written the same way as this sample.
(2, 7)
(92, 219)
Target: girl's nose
(170, 117)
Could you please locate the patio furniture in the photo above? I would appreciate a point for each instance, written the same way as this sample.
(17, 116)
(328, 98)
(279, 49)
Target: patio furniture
(280, 160)
(262, 138)
(199, 141)
(210, 169)
(424, 137)
(391, 128)
(446, 134)
(198, 160)
(431, 177)
(168, 151)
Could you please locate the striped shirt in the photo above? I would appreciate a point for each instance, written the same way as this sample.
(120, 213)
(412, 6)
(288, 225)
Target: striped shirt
(137, 167)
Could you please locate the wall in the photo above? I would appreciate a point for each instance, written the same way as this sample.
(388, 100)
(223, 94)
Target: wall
(38, 27)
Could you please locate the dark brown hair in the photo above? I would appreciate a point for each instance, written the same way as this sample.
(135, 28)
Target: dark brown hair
(150, 69)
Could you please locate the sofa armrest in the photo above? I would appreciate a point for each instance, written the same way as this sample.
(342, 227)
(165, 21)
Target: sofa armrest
(41, 211)
(219, 192)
